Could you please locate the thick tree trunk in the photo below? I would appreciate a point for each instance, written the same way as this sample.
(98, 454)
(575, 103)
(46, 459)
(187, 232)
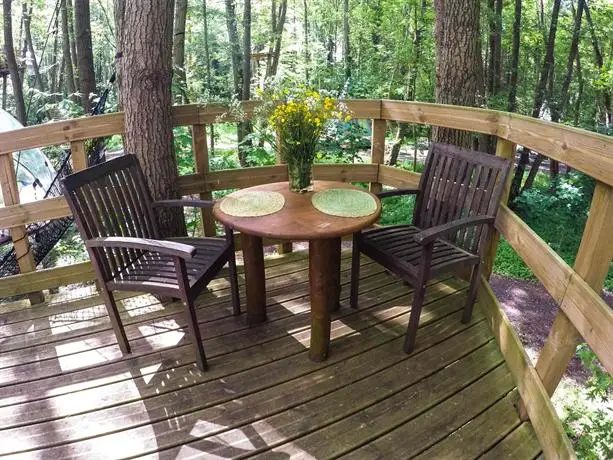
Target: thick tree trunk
(178, 50)
(512, 102)
(146, 68)
(85, 56)
(68, 64)
(246, 92)
(457, 61)
(4, 78)
(38, 79)
(54, 65)
(11, 62)
(346, 49)
(577, 107)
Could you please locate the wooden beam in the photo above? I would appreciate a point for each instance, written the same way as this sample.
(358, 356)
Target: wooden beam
(19, 234)
(583, 311)
(506, 150)
(590, 153)
(46, 279)
(201, 158)
(377, 151)
(35, 211)
(549, 430)
(397, 177)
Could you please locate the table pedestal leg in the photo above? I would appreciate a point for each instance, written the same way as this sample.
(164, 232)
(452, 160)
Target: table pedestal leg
(324, 278)
(255, 279)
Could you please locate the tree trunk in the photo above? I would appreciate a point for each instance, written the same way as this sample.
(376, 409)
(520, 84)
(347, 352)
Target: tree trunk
(178, 50)
(119, 7)
(277, 25)
(85, 56)
(53, 71)
(307, 54)
(38, 80)
(539, 98)
(558, 108)
(146, 68)
(495, 47)
(579, 92)
(606, 97)
(68, 64)
(457, 61)
(11, 62)
(235, 54)
(245, 126)
(401, 134)
(4, 78)
(207, 58)
(73, 46)
(512, 102)
(346, 49)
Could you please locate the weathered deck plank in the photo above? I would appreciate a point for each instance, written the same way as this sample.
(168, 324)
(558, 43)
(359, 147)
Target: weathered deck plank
(70, 394)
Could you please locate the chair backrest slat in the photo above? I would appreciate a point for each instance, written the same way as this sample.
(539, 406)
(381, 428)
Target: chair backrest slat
(458, 183)
(112, 199)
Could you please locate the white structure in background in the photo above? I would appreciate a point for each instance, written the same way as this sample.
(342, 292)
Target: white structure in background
(33, 169)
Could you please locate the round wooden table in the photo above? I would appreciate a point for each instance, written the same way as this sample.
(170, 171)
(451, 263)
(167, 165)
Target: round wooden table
(298, 221)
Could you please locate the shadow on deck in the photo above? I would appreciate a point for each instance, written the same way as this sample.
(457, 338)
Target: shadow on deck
(66, 391)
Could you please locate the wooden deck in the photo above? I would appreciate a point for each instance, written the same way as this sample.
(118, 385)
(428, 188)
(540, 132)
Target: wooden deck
(66, 391)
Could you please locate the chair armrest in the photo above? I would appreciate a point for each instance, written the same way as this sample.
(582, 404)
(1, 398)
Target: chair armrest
(430, 234)
(397, 192)
(170, 248)
(183, 203)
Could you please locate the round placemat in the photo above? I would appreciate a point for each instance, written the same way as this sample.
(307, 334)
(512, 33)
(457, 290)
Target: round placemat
(252, 203)
(344, 202)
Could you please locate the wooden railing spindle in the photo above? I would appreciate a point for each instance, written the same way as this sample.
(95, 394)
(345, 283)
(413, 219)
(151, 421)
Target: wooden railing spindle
(19, 235)
(377, 149)
(78, 155)
(504, 149)
(201, 157)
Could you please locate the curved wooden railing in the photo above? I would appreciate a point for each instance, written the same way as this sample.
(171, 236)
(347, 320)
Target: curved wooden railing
(576, 289)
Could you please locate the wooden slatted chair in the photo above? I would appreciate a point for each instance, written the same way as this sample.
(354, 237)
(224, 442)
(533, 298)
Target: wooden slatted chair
(455, 209)
(114, 213)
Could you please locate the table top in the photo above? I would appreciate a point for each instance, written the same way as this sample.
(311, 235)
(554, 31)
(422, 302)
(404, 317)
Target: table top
(298, 220)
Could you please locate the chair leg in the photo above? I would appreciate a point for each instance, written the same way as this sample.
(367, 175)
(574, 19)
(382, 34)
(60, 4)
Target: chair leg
(236, 301)
(472, 293)
(418, 300)
(116, 323)
(194, 332)
(355, 272)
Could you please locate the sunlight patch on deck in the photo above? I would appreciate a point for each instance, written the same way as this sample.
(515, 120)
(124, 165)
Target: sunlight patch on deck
(83, 353)
(164, 333)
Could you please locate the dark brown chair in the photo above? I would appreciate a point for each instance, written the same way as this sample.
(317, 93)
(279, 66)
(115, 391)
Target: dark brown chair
(455, 209)
(113, 210)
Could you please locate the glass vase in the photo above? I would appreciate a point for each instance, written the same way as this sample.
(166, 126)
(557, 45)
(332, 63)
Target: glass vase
(300, 172)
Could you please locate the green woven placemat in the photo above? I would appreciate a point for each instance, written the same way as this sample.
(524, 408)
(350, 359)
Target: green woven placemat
(252, 204)
(344, 202)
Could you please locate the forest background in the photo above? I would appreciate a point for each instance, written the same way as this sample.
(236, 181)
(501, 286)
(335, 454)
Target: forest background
(550, 59)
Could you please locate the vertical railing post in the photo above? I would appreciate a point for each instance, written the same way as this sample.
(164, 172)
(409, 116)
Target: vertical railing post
(201, 157)
(377, 155)
(78, 155)
(592, 264)
(19, 235)
(504, 149)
